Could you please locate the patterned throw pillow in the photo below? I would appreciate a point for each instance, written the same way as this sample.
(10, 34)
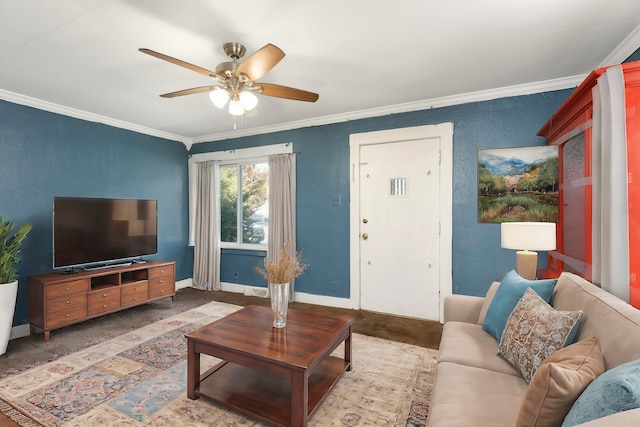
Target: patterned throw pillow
(509, 292)
(534, 331)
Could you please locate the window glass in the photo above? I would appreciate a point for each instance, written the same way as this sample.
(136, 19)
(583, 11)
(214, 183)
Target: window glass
(244, 207)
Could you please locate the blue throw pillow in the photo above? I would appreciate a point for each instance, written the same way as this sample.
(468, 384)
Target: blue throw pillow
(511, 289)
(617, 390)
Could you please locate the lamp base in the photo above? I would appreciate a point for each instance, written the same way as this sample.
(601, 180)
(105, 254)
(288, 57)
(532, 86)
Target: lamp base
(527, 264)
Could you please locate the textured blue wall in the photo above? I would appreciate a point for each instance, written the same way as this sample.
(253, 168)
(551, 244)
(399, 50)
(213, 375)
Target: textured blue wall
(323, 173)
(45, 155)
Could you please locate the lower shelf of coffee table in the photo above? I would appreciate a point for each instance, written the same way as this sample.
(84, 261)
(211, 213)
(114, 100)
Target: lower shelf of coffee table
(262, 395)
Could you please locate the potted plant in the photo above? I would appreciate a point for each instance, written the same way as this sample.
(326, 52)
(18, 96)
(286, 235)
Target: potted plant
(9, 248)
(279, 274)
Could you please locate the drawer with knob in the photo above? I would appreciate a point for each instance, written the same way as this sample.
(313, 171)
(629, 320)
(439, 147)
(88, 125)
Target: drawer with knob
(162, 287)
(67, 288)
(104, 300)
(162, 281)
(66, 316)
(134, 293)
(165, 270)
(66, 302)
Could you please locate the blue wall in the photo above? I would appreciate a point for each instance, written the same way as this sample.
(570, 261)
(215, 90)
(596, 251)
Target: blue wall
(43, 155)
(323, 173)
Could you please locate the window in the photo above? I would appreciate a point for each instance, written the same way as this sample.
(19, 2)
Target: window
(244, 206)
(244, 210)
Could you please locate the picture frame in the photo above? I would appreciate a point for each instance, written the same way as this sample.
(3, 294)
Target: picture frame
(518, 184)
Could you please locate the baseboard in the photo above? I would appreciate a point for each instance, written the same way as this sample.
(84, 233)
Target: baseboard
(20, 331)
(186, 283)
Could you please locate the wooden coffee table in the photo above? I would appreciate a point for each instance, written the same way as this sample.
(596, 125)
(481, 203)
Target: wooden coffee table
(279, 376)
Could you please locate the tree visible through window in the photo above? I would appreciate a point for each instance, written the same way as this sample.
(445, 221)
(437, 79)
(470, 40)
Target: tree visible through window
(244, 203)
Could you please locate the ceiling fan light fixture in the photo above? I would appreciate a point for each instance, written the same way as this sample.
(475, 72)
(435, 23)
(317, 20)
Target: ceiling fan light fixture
(248, 100)
(235, 108)
(219, 97)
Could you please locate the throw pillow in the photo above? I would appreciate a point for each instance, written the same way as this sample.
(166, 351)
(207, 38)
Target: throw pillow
(534, 331)
(616, 390)
(507, 296)
(558, 382)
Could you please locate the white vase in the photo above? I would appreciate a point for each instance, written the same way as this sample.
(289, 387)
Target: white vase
(279, 293)
(8, 293)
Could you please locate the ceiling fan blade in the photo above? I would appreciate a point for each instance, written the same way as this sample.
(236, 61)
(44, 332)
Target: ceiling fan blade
(279, 91)
(189, 91)
(184, 64)
(260, 62)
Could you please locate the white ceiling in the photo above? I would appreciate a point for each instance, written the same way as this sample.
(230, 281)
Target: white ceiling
(364, 57)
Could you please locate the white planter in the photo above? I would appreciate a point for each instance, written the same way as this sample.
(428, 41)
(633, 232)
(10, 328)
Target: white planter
(8, 294)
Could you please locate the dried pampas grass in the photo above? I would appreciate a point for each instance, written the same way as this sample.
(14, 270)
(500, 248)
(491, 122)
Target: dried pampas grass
(285, 268)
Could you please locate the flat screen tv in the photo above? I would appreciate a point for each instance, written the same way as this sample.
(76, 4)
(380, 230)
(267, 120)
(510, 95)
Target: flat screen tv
(95, 231)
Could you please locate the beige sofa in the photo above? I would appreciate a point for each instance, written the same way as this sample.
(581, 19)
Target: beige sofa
(476, 387)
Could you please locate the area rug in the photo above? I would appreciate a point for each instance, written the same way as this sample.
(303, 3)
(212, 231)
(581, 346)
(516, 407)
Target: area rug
(139, 379)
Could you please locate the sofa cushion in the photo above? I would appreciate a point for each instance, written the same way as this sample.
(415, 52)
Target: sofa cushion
(616, 390)
(469, 396)
(467, 344)
(605, 316)
(507, 296)
(558, 382)
(534, 331)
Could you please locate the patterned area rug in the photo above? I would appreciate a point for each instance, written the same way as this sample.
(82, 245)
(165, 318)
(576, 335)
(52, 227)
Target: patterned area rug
(139, 379)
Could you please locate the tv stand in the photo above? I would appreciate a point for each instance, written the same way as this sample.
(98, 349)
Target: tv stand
(57, 300)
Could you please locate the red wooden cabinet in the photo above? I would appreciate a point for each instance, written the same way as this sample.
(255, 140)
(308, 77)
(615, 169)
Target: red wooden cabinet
(570, 128)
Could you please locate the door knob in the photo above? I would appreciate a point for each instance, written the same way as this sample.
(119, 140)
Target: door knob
(365, 236)
(365, 220)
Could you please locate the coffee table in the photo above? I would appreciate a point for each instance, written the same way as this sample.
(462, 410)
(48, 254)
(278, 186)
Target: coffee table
(279, 376)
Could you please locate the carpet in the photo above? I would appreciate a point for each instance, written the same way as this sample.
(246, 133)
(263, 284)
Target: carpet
(139, 379)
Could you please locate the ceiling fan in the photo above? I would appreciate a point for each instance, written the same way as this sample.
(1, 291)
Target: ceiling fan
(238, 81)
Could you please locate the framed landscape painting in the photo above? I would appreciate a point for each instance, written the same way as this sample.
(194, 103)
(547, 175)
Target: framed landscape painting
(518, 184)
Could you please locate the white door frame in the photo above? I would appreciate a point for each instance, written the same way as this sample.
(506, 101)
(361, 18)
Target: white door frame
(444, 131)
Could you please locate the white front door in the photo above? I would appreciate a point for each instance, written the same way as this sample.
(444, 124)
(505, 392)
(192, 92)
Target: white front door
(399, 208)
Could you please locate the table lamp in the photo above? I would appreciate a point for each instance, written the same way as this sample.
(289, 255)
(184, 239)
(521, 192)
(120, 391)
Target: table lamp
(527, 237)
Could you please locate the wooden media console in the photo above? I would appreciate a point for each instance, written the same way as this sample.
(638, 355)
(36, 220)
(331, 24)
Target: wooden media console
(57, 300)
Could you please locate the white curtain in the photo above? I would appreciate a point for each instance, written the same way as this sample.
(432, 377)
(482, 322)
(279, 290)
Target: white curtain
(206, 263)
(610, 245)
(282, 206)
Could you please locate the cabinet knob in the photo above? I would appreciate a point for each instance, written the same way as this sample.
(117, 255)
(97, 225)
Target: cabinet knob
(66, 289)
(67, 301)
(161, 281)
(161, 271)
(67, 314)
(162, 291)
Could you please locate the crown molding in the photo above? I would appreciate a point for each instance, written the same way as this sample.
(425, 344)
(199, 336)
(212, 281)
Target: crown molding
(84, 115)
(485, 95)
(624, 49)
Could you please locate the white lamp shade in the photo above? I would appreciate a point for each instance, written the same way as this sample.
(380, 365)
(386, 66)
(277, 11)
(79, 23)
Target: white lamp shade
(534, 236)
(248, 100)
(235, 108)
(219, 97)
